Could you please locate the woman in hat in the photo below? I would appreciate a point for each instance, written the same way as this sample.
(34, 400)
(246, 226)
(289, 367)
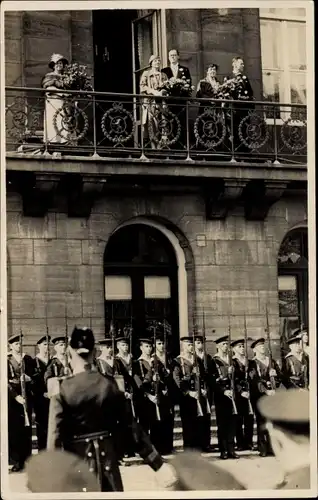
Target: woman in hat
(150, 84)
(209, 128)
(88, 414)
(54, 102)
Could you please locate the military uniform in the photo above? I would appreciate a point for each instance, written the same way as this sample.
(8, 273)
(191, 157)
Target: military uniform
(87, 414)
(225, 418)
(147, 411)
(296, 367)
(20, 434)
(206, 366)
(162, 430)
(41, 400)
(193, 412)
(245, 414)
(260, 383)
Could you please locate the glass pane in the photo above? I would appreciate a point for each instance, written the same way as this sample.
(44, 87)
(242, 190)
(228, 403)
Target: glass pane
(143, 41)
(294, 249)
(158, 312)
(287, 296)
(296, 43)
(117, 288)
(270, 44)
(298, 88)
(271, 86)
(284, 13)
(119, 314)
(157, 287)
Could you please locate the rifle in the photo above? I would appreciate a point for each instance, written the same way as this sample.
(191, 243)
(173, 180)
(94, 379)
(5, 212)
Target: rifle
(235, 412)
(250, 409)
(67, 366)
(155, 362)
(205, 363)
(270, 364)
(23, 385)
(47, 340)
(197, 378)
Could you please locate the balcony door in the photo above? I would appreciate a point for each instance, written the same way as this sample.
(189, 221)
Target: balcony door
(141, 284)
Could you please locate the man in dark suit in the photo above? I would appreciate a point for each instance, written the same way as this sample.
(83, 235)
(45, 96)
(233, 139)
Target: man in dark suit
(240, 111)
(177, 71)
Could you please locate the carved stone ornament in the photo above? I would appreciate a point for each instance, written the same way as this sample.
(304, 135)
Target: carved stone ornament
(82, 194)
(221, 196)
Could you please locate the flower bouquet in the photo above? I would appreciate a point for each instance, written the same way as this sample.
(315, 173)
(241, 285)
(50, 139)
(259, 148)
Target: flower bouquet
(178, 87)
(234, 89)
(75, 77)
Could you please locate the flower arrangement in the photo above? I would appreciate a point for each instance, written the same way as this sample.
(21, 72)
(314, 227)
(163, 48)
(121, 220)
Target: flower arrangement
(75, 77)
(177, 87)
(234, 88)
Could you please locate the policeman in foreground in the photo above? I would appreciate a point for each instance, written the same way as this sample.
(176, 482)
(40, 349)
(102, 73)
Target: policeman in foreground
(86, 417)
(287, 416)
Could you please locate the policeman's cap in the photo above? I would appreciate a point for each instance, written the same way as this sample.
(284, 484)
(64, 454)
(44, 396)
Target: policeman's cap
(187, 339)
(45, 338)
(257, 342)
(237, 341)
(294, 339)
(224, 338)
(59, 471)
(14, 338)
(107, 341)
(58, 339)
(123, 339)
(145, 340)
(82, 340)
(288, 409)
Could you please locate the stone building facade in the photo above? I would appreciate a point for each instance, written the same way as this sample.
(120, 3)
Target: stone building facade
(225, 267)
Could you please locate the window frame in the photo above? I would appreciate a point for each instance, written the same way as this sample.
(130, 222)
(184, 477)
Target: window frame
(285, 71)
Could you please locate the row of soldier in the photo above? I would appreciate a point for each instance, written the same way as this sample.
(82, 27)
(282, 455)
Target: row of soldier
(155, 383)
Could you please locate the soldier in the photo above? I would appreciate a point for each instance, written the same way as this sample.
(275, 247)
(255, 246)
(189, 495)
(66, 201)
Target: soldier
(162, 430)
(264, 379)
(85, 415)
(20, 370)
(58, 366)
(189, 378)
(245, 414)
(225, 407)
(123, 362)
(146, 399)
(106, 362)
(296, 364)
(207, 368)
(41, 400)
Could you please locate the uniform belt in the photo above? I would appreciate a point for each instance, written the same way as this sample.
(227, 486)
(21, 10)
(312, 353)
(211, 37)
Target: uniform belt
(92, 436)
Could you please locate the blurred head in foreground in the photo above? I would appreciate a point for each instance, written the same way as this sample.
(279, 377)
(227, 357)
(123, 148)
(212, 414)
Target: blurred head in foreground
(287, 416)
(59, 471)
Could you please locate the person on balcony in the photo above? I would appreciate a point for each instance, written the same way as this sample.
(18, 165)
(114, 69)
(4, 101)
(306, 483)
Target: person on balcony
(176, 71)
(208, 89)
(54, 101)
(151, 83)
(241, 91)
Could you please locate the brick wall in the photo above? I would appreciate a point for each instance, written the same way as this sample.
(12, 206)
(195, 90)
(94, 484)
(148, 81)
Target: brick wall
(57, 262)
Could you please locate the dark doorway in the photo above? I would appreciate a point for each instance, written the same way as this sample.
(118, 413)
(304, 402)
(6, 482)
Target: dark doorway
(141, 285)
(112, 34)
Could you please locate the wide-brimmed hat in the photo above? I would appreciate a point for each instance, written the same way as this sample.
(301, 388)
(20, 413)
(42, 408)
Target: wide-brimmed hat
(55, 58)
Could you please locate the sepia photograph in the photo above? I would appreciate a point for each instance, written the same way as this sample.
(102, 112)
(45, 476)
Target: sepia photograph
(157, 260)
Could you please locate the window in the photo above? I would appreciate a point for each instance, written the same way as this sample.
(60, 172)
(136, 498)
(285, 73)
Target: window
(283, 49)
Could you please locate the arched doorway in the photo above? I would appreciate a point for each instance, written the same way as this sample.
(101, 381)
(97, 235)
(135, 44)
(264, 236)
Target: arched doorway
(141, 283)
(293, 281)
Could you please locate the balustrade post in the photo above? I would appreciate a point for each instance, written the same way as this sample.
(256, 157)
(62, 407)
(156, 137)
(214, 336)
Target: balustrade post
(143, 156)
(45, 138)
(276, 161)
(233, 160)
(95, 154)
(188, 131)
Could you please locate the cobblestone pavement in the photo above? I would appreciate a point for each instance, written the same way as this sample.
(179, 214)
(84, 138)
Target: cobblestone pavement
(255, 473)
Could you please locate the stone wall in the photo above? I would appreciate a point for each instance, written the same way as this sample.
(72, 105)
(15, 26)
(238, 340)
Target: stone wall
(55, 264)
(206, 36)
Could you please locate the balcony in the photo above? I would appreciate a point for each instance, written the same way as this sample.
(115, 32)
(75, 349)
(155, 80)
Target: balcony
(103, 126)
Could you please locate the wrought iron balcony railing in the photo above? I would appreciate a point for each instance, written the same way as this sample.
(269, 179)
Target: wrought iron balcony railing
(137, 126)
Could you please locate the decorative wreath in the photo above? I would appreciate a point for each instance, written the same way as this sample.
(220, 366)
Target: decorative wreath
(118, 108)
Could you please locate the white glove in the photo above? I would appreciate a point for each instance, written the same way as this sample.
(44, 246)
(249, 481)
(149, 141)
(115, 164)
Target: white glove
(128, 395)
(228, 394)
(194, 394)
(26, 377)
(166, 476)
(272, 372)
(245, 394)
(152, 398)
(271, 392)
(20, 400)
